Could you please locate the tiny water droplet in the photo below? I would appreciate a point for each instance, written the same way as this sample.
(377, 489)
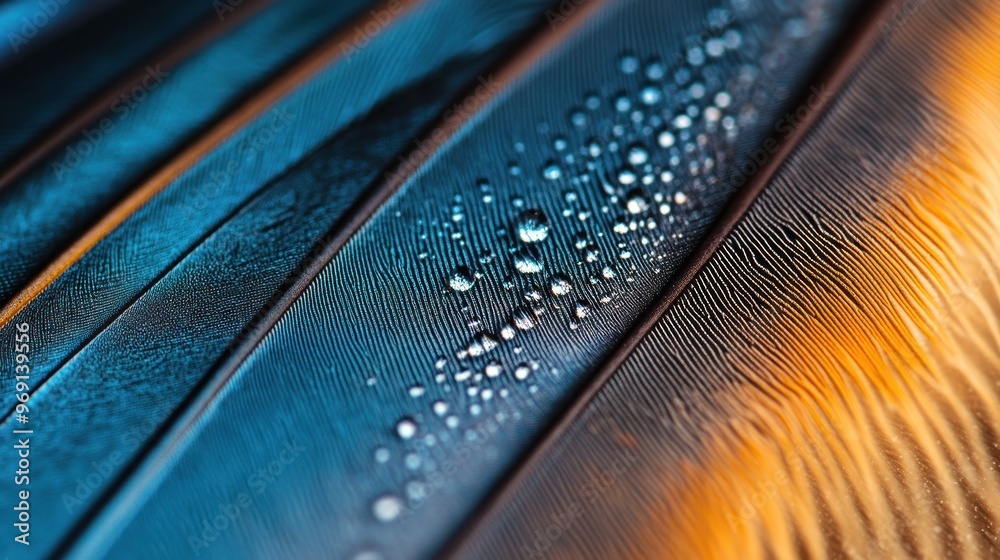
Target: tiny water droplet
(527, 261)
(381, 455)
(650, 95)
(493, 369)
(406, 428)
(560, 285)
(582, 309)
(627, 177)
(628, 63)
(552, 171)
(524, 318)
(417, 391)
(483, 343)
(666, 139)
(387, 508)
(440, 408)
(638, 155)
(636, 202)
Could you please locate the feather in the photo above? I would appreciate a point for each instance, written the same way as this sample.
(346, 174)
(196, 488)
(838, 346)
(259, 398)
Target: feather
(827, 386)
(519, 279)
(346, 366)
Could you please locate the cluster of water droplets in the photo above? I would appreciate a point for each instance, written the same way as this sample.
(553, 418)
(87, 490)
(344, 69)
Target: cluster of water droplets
(632, 166)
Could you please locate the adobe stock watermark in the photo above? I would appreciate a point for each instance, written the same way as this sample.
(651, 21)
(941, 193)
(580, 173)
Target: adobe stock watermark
(563, 12)
(461, 110)
(364, 34)
(122, 107)
(784, 128)
(31, 25)
(227, 512)
(102, 470)
(249, 147)
(888, 26)
(225, 7)
(562, 521)
(437, 479)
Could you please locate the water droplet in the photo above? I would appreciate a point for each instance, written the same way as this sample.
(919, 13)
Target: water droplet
(723, 99)
(406, 428)
(627, 177)
(463, 375)
(623, 104)
(680, 198)
(637, 155)
(412, 461)
(381, 455)
(417, 391)
(461, 279)
(493, 369)
(636, 202)
(524, 318)
(526, 261)
(532, 226)
(650, 95)
(628, 63)
(655, 70)
(666, 139)
(552, 171)
(440, 408)
(483, 343)
(582, 309)
(560, 285)
(521, 372)
(387, 508)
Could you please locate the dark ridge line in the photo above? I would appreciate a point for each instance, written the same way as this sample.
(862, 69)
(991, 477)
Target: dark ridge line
(170, 55)
(533, 44)
(861, 33)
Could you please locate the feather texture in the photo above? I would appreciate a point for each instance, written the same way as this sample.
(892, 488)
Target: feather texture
(827, 387)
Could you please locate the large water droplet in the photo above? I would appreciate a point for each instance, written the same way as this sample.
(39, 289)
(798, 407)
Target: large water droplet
(532, 226)
(461, 279)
